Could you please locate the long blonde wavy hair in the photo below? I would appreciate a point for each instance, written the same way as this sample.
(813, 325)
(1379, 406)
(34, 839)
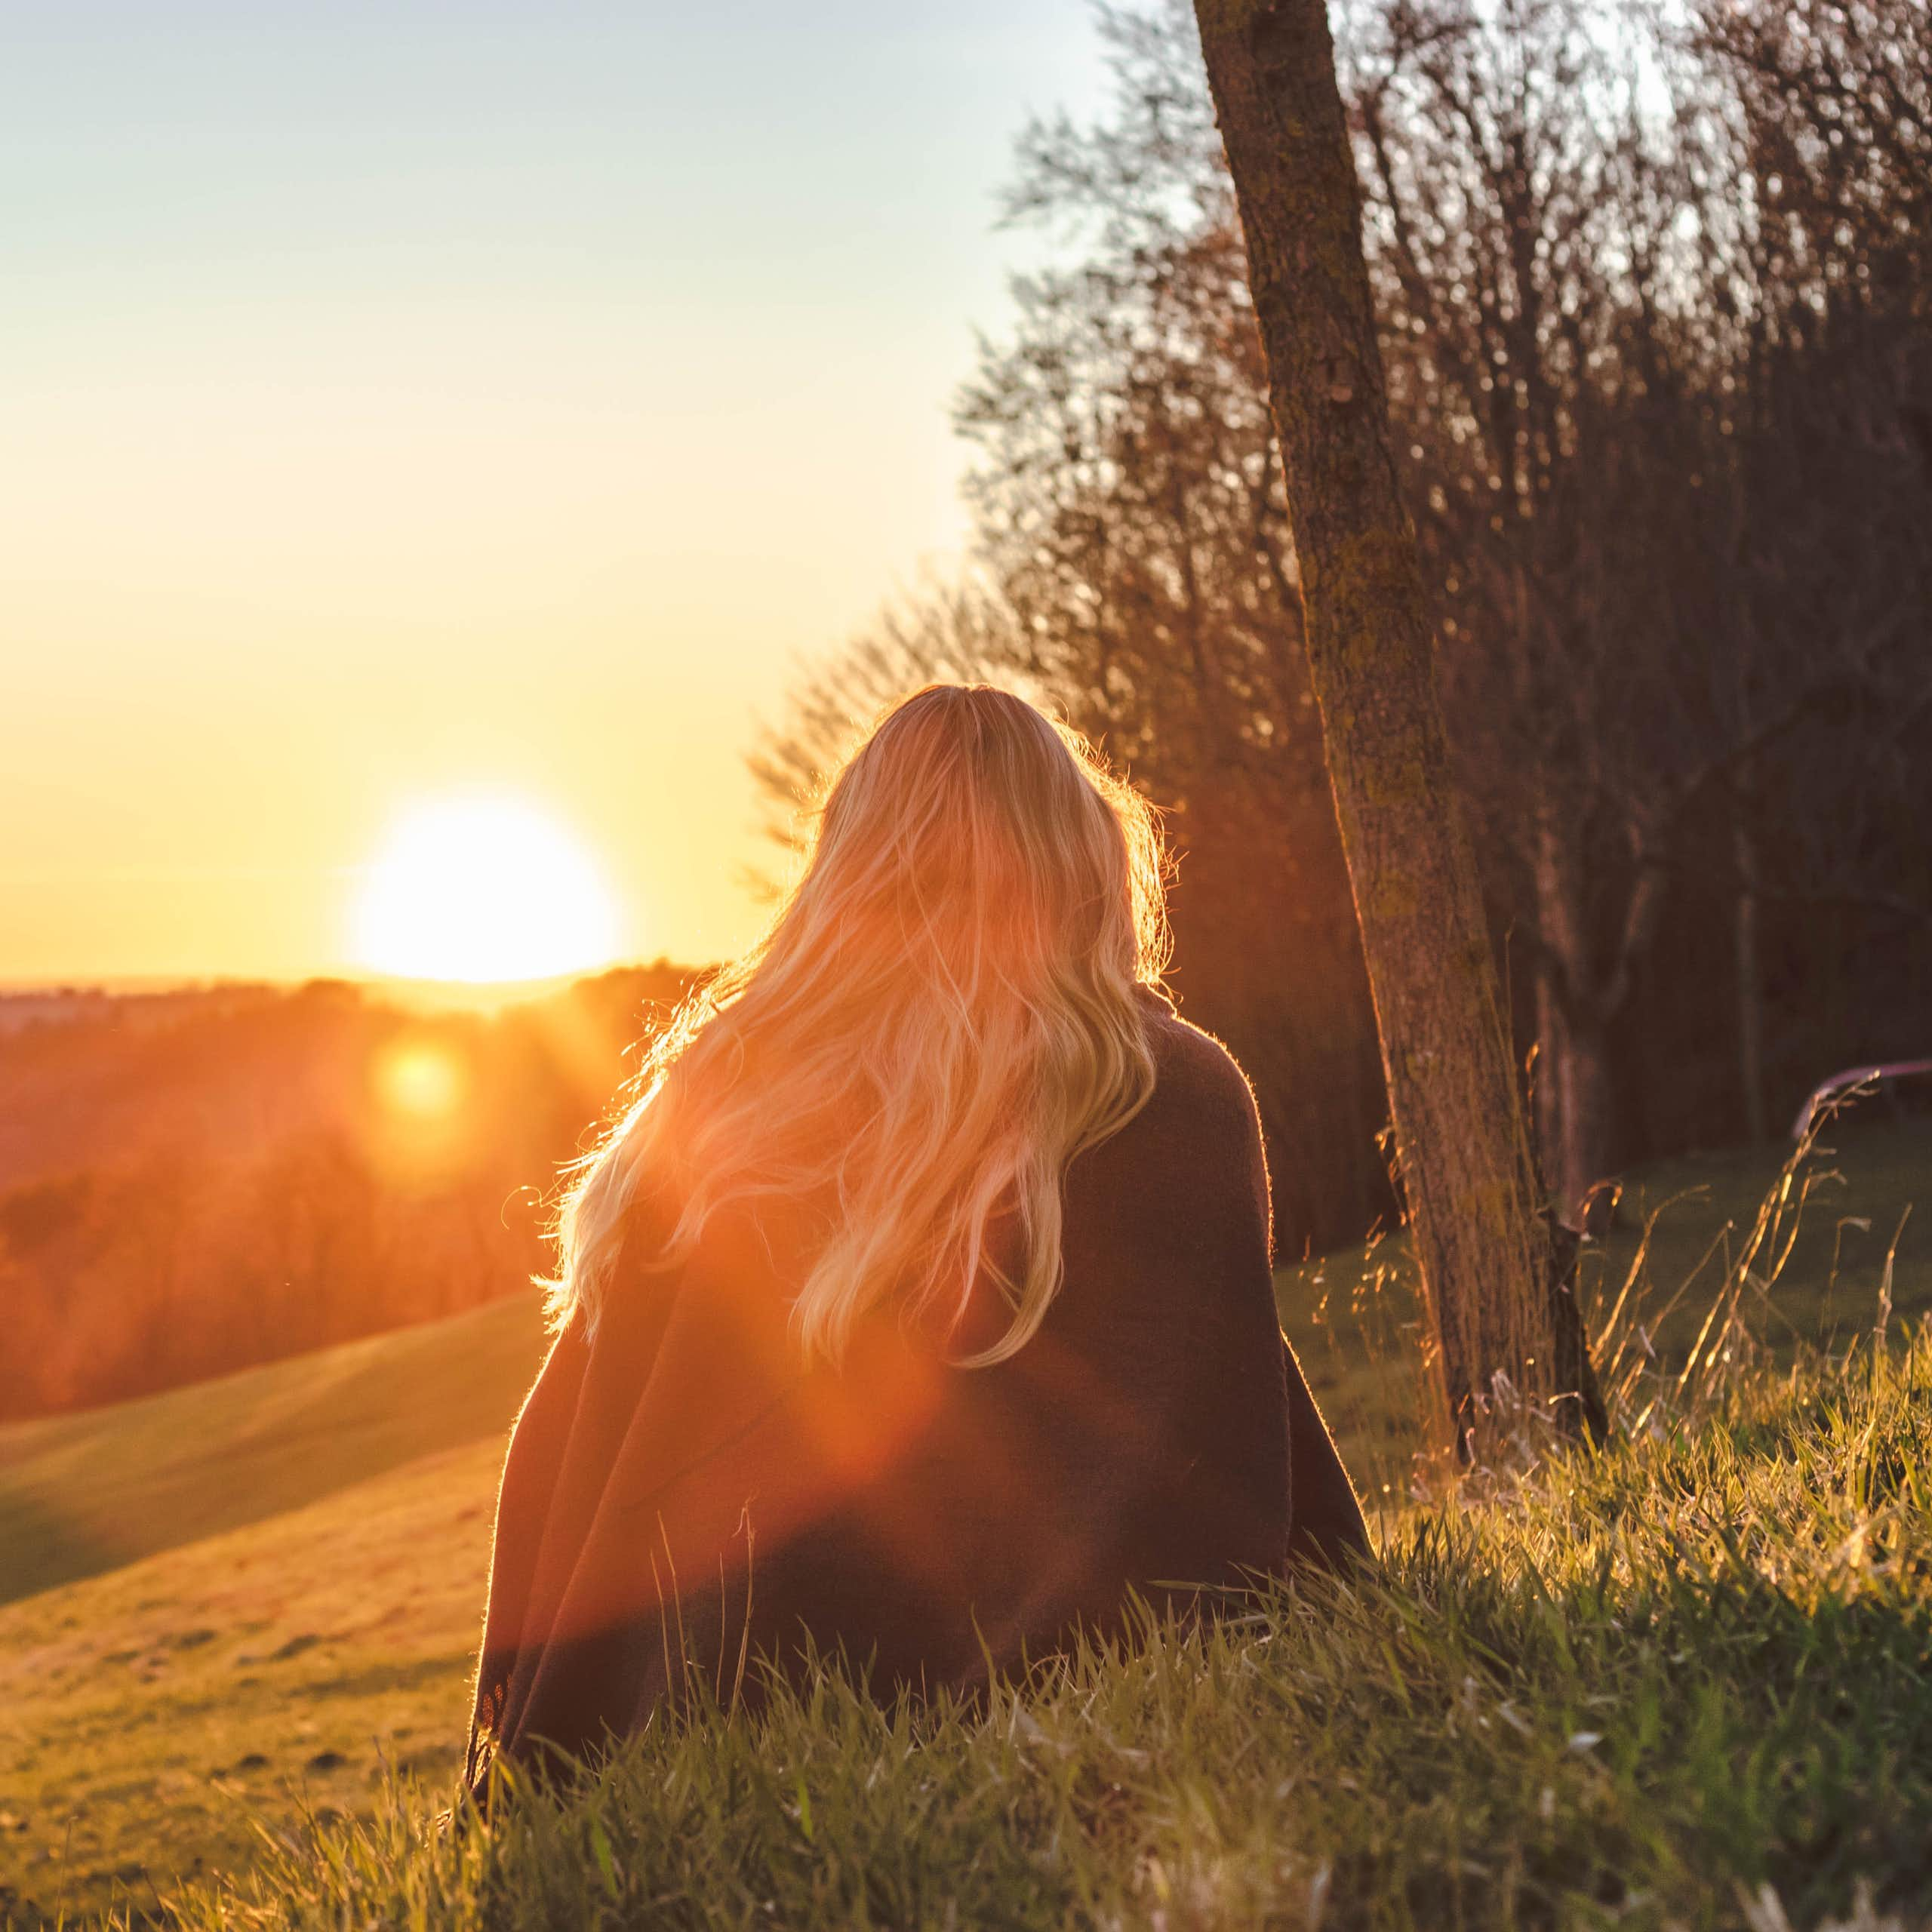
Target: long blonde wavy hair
(941, 1015)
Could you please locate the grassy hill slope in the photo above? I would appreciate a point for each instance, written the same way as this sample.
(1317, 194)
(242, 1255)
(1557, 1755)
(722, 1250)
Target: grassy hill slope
(82, 1493)
(241, 1598)
(146, 1715)
(250, 1594)
(1682, 1684)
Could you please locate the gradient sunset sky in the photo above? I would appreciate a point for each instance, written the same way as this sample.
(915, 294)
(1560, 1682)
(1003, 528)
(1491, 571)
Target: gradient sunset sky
(410, 401)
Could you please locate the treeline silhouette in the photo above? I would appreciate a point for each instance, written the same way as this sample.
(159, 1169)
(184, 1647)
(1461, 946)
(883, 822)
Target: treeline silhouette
(1655, 291)
(195, 1182)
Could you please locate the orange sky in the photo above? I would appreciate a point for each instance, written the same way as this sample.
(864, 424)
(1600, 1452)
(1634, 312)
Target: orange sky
(405, 402)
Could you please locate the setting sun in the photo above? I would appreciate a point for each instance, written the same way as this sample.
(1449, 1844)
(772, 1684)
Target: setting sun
(482, 889)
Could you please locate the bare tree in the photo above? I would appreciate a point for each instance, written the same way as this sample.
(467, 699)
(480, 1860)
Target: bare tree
(1613, 433)
(1485, 1255)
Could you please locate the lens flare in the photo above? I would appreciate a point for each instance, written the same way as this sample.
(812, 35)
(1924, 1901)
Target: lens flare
(420, 1079)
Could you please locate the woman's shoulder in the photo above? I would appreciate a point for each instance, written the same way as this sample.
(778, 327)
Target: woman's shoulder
(1193, 1071)
(1201, 1117)
(1191, 1159)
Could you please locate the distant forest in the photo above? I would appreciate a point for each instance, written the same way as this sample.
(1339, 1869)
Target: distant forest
(193, 1181)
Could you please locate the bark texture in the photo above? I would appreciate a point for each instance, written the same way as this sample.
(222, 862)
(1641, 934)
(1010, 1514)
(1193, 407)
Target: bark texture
(1497, 1298)
(1750, 984)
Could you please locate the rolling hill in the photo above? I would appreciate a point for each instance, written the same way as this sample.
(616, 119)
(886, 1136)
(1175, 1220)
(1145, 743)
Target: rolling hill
(83, 1494)
(245, 1598)
(242, 1598)
(153, 1712)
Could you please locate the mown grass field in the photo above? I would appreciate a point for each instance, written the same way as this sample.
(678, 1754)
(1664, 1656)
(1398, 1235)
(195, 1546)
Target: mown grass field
(225, 1602)
(1735, 1607)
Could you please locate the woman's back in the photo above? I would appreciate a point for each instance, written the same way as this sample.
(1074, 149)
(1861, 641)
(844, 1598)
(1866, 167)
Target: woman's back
(688, 1489)
(919, 1306)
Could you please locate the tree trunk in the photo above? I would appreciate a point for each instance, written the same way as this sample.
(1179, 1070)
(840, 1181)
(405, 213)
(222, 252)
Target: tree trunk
(1750, 981)
(1574, 1011)
(1546, 1081)
(1486, 1255)
(1581, 1156)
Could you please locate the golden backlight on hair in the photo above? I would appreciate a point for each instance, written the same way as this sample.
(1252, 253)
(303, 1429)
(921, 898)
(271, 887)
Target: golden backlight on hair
(943, 1013)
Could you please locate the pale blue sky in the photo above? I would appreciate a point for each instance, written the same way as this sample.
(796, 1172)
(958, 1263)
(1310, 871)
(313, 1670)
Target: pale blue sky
(409, 397)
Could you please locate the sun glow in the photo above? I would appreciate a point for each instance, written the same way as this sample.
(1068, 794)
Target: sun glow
(419, 1079)
(482, 889)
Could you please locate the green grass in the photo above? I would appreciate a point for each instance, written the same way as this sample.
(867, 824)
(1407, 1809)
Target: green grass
(1675, 1684)
(148, 1717)
(1870, 1186)
(1682, 1226)
(230, 1599)
(83, 1494)
(243, 1599)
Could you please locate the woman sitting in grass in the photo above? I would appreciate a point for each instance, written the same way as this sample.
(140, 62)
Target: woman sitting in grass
(920, 1308)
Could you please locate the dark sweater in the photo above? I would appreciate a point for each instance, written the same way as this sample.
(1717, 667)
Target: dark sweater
(684, 1492)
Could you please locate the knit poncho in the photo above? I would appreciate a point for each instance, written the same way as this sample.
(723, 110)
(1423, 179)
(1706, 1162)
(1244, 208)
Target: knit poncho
(685, 1493)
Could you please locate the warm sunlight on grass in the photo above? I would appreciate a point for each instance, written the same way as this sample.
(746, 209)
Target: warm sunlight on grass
(480, 889)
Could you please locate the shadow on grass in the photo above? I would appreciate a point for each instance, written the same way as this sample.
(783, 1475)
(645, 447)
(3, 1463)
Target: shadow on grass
(38, 1542)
